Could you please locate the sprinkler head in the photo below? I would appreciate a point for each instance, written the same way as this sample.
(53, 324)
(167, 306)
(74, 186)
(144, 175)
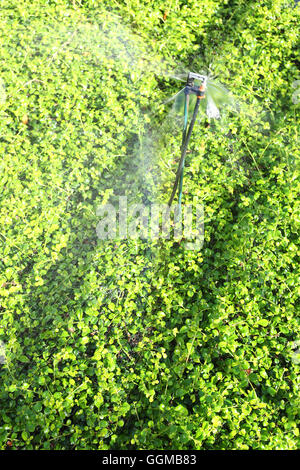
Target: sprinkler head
(195, 76)
(196, 90)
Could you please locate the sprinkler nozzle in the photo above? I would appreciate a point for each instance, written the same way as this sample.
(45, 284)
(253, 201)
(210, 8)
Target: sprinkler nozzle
(196, 90)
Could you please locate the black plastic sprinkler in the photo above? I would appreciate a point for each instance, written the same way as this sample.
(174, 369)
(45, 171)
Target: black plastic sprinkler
(199, 91)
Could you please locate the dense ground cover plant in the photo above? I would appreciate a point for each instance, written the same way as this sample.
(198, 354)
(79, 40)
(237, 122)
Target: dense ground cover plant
(135, 344)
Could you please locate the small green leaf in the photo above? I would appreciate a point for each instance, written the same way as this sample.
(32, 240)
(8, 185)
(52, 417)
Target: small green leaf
(263, 322)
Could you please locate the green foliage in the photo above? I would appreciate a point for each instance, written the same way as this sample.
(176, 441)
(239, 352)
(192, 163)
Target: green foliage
(130, 344)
